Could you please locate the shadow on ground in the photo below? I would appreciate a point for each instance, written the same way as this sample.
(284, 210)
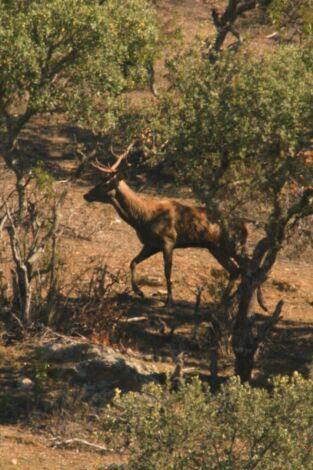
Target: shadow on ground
(289, 349)
(147, 328)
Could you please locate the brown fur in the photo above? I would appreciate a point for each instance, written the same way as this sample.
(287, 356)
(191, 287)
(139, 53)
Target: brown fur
(162, 226)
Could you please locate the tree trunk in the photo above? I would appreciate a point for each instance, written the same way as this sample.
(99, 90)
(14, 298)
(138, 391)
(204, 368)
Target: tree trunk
(14, 159)
(21, 195)
(24, 295)
(244, 363)
(22, 292)
(243, 342)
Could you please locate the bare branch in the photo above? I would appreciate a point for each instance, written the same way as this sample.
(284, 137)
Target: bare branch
(260, 299)
(22, 271)
(267, 326)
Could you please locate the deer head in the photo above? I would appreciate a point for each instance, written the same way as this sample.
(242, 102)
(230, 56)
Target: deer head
(111, 176)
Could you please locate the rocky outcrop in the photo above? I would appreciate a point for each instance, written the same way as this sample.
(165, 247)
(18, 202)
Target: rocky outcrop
(99, 369)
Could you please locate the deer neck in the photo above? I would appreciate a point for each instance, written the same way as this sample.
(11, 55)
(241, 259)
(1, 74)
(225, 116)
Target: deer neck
(130, 207)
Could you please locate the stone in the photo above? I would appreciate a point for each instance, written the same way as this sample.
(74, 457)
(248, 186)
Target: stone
(25, 384)
(100, 366)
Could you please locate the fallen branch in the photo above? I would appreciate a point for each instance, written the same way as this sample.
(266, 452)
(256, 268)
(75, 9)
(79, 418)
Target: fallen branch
(275, 36)
(69, 339)
(134, 319)
(60, 443)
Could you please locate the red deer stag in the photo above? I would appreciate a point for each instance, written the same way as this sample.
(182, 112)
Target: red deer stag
(162, 225)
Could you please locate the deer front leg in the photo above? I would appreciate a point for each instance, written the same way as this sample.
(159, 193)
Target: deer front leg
(144, 254)
(168, 257)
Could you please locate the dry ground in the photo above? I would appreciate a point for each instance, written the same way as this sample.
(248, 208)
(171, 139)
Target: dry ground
(24, 450)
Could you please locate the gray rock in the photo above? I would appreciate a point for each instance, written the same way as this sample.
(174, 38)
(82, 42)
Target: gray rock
(64, 352)
(99, 366)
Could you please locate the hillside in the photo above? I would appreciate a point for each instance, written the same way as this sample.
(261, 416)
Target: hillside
(38, 425)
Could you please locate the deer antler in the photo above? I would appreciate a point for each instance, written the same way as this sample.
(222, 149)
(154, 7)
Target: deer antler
(112, 169)
(121, 157)
(103, 168)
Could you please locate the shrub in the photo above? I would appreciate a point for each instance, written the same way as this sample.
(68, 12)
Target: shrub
(238, 428)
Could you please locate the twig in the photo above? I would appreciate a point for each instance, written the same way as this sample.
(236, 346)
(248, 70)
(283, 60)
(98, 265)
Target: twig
(18, 320)
(69, 339)
(4, 201)
(2, 222)
(197, 320)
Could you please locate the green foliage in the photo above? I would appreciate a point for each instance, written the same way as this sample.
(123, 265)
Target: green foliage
(41, 374)
(238, 428)
(293, 14)
(44, 181)
(241, 123)
(70, 55)
(238, 130)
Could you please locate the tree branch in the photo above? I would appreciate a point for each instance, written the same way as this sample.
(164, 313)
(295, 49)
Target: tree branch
(224, 23)
(22, 271)
(269, 323)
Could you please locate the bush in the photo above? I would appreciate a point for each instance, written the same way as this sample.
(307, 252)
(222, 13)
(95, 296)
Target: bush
(239, 428)
(240, 132)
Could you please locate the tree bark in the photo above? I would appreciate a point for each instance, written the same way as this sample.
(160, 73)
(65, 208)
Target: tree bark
(21, 183)
(244, 363)
(242, 337)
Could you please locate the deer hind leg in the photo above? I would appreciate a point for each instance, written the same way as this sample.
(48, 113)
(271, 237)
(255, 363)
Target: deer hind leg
(228, 264)
(168, 257)
(144, 254)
